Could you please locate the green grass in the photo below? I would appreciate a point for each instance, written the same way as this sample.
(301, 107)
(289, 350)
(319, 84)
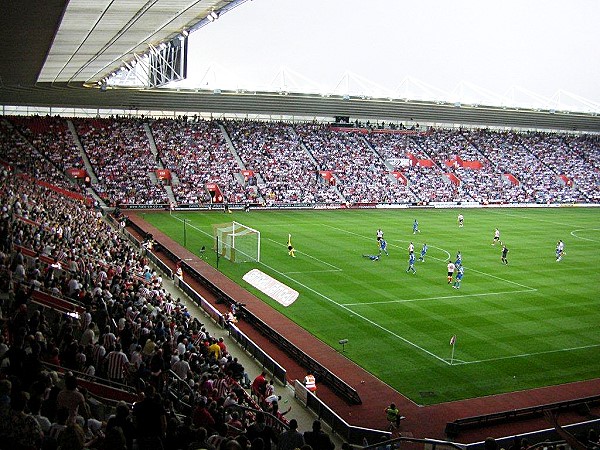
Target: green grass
(529, 324)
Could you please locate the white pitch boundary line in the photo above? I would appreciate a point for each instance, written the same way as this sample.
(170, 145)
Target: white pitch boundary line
(525, 355)
(574, 234)
(335, 268)
(443, 297)
(529, 288)
(375, 324)
(191, 226)
(323, 296)
(354, 313)
(523, 216)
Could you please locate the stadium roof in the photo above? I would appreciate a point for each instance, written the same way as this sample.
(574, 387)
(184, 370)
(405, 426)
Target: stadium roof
(52, 52)
(78, 41)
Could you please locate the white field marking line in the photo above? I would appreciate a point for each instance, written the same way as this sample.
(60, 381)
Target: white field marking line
(525, 355)
(375, 324)
(438, 259)
(344, 307)
(323, 296)
(335, 268)
(443, 297)
(457, 361)
(314, 271)
(444, 360)
(522, 216)
(529, 288)
(574, 234)
(191, 226)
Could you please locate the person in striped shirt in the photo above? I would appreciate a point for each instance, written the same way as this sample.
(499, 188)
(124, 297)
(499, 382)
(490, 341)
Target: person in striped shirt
(108, 339)
(117, 365)
(98, 354)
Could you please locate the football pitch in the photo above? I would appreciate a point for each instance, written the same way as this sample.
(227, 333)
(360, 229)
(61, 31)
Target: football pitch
(534, 322)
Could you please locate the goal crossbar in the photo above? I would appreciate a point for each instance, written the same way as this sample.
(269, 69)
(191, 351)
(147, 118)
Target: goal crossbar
(236, 242)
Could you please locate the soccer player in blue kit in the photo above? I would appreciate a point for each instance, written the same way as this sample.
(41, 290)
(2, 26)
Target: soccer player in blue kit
(423, 253)
(459, 276)
(458, 261)
(383, 247)
(411, 263)
(416, 227)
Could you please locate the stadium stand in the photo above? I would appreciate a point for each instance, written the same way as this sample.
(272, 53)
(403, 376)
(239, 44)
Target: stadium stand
(119, 151)
(60, 255)
(362, 175)
(86, 276)
(197, 152)
(287, 171)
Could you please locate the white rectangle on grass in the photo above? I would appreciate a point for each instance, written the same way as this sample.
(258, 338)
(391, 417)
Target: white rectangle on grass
(275, 289)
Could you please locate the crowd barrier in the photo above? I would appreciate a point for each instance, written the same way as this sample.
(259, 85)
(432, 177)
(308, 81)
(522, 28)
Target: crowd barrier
(324, 375)
(351, 433)
(454, 428)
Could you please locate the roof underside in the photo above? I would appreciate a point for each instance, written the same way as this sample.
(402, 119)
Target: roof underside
(51, 51)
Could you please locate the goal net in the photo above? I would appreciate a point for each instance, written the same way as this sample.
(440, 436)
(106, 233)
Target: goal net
(236, 242)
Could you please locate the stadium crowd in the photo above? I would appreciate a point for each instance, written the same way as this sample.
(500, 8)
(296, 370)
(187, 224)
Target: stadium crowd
(193, 393)
(51, 137)
(131, 329)
(197, 152)
(287, 161)
(120, 154)
(362, 174)
(428, 183)
(18, 152)
(274, 151)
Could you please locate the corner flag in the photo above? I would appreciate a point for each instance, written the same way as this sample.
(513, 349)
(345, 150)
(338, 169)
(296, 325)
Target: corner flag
(452, 343)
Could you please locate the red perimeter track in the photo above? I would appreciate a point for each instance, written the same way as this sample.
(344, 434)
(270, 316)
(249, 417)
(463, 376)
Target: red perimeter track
(421, 421)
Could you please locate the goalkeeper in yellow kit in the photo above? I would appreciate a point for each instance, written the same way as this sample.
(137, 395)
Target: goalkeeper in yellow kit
(290, 247)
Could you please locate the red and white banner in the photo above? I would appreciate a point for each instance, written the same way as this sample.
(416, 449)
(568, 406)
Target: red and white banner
(76, 172)
(163, 174)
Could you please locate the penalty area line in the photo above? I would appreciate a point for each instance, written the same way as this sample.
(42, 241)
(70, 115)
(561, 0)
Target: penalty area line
(335, 268)
(313, 271)
(354, 313)
(438, 259)
(443, 297)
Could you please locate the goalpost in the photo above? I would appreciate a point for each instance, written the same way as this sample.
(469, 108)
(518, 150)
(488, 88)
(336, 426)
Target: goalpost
(236, 242)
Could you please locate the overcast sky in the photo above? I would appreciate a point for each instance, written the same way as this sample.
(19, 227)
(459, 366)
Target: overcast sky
(542, 46)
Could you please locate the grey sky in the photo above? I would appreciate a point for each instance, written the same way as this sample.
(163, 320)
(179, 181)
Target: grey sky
(541, 45)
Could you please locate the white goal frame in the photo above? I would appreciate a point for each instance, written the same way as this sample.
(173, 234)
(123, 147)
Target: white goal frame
(231, 241)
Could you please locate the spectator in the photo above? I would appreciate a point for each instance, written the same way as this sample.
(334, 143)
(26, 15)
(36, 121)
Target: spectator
(73, 400)
(291, 438)
(260, 430)
(19, 429)
(150, 420)
(317, 438)
(259, 385)
(117, 365)
(123, 420)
